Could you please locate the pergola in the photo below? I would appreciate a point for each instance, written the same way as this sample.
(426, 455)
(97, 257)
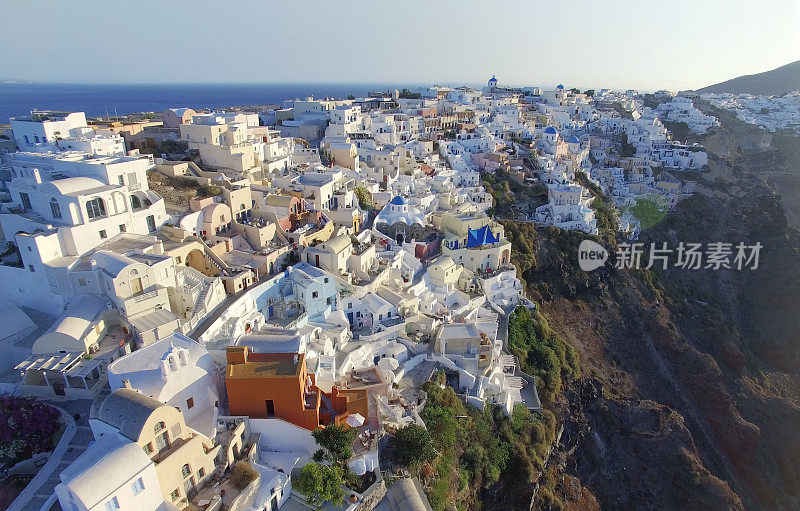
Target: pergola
(65, 370)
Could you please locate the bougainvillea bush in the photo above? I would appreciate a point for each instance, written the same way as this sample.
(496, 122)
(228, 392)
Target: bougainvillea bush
(27, 426)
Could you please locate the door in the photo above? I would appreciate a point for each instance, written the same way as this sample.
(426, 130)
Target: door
(136, 286)
(270, 408)
(317, 265)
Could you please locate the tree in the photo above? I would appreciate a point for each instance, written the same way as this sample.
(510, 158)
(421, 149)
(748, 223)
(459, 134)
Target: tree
(243, 474)
(364, 197)
(337, 441)
(589, 92)
(320, 484)
(413, 444)
(407, 94)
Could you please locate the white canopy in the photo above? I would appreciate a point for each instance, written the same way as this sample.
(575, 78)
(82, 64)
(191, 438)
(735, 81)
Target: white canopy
(355, 420)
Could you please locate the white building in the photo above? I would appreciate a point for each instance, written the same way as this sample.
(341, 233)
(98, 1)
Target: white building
(113, 474)
(567, 208)
(46, 131)
(176, 371)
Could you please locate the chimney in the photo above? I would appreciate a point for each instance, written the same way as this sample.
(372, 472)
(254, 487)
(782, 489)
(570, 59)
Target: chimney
(237, 354)
(126, 384)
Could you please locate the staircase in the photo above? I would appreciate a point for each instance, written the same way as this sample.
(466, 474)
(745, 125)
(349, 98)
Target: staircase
(328, 407)
(515, 382)
(200, 304)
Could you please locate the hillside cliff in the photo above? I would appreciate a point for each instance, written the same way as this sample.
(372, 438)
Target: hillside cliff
(775, 82)
(689, 396)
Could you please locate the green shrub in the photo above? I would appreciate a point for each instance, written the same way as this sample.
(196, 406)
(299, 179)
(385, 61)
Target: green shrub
(413, 444)
(243, 474)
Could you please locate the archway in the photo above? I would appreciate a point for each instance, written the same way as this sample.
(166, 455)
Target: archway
(197, 260)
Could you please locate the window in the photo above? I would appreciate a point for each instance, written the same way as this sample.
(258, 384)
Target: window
(158, 427)
(112, 504)
(122, 228)
(148, 449)
(121, 180)
(82, 282)
(162, 442)
(55, 208)
(201, 472)
(30, 267)
(175, 494)
(151, 223)
(186, 471)
(190, 403)
(136, 203)
(138, 486)
(103, 234)
(96, 208)
(25, 200)
(315, 294)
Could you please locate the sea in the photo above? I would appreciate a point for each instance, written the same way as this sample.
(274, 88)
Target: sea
(18, 99)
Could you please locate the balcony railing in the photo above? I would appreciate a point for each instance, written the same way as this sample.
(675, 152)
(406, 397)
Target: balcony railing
(145, 296)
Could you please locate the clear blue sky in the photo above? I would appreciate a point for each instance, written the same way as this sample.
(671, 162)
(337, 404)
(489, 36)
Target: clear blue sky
(643, 44)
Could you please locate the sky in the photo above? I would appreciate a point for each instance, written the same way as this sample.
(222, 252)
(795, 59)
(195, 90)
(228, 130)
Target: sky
(636, 44)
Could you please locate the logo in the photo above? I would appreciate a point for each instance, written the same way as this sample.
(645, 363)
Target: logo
(591, 255)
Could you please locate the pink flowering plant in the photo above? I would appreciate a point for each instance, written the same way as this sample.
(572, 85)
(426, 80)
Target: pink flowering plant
(27, 427)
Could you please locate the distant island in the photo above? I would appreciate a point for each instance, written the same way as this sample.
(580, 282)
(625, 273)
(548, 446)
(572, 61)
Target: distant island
(776, 82)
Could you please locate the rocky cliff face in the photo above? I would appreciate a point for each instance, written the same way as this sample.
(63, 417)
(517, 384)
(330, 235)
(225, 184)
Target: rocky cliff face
(690, 397)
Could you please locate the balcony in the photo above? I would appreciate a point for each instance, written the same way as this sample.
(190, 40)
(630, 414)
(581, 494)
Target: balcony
(145, 296)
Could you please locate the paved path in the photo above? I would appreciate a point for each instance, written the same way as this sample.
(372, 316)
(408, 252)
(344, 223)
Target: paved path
(529, 394)
(39, 490)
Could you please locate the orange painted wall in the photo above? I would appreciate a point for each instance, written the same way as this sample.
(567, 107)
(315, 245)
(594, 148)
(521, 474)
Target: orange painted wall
(247, 394)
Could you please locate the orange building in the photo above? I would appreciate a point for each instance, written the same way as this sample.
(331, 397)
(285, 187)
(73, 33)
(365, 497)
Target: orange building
(262, 385)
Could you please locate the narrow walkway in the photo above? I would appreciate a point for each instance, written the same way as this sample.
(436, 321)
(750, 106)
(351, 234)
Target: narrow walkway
(204, 325)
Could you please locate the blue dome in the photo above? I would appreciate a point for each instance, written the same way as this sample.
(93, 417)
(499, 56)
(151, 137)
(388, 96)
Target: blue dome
(560, 86)
(573, 140)
(398, 201)
(493, 79)
(550, 130)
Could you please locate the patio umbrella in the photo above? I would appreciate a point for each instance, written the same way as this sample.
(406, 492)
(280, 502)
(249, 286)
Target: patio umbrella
(355, 420)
